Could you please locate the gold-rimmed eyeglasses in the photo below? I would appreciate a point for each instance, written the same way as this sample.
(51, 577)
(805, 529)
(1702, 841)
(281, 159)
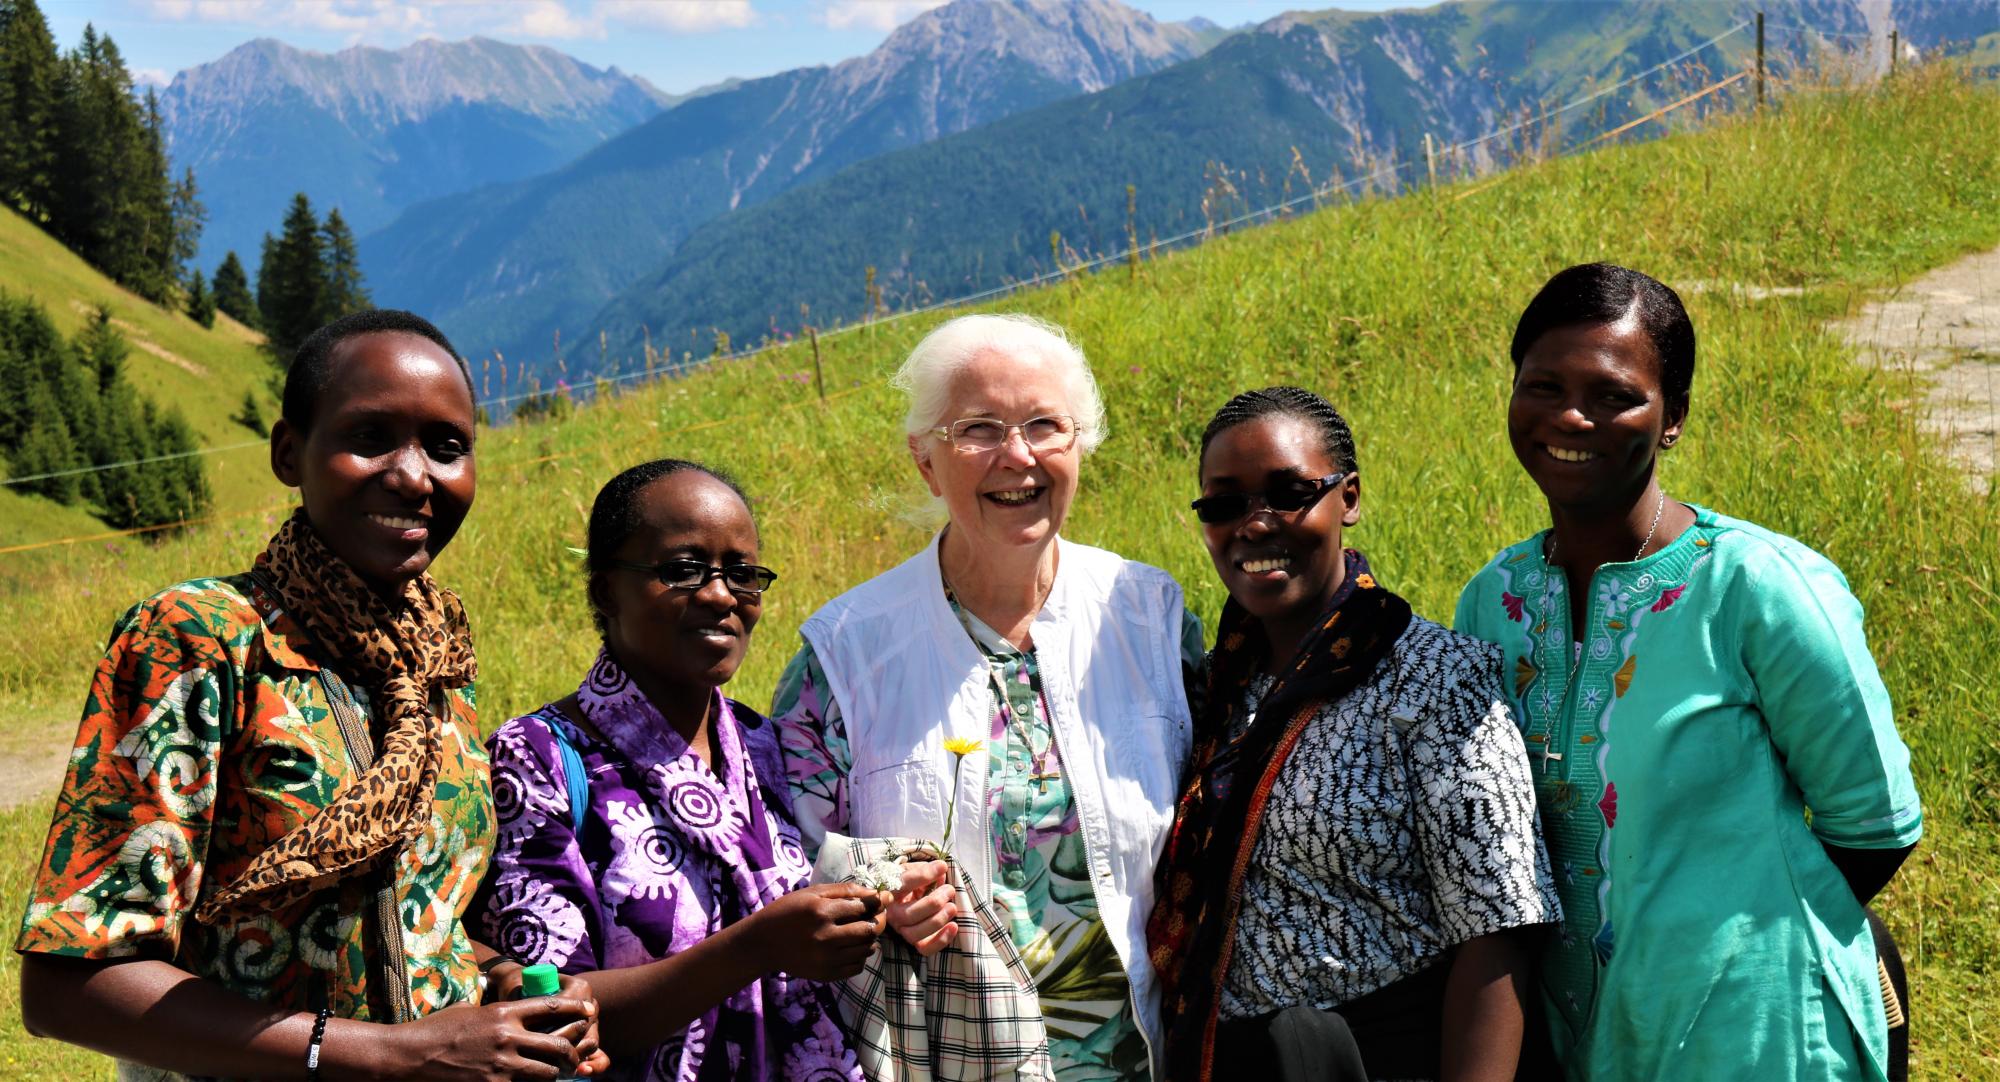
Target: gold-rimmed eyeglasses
(1051, 433)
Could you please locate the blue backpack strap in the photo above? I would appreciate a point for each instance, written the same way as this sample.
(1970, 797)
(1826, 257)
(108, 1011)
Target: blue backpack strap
(575, 778)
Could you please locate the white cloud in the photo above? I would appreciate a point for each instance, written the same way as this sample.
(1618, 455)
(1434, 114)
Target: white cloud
(883, 15)
(159, 77)
(552, 20)
(679, 16)
(543, 19)
(353, 17)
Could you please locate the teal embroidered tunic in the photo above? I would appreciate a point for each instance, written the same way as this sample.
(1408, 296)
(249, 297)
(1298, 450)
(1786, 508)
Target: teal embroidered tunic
(1716, 691)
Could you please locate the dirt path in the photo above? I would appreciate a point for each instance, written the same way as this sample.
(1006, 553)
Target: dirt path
(1945, 326)
(35, 761)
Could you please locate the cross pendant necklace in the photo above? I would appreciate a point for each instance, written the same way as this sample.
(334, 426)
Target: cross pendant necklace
(1556, 725)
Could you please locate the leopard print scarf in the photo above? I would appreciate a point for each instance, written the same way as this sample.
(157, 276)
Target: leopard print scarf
(402, 653)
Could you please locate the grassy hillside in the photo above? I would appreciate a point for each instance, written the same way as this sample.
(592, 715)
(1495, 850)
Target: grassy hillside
(173, 361)
(1401, 312)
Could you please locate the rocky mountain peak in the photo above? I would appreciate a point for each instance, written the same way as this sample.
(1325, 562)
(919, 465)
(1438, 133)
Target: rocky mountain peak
(391, 86)
(1090, 44)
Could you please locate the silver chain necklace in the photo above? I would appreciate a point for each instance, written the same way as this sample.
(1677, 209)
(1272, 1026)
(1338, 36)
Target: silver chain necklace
(1659, 507)
(1557, 725)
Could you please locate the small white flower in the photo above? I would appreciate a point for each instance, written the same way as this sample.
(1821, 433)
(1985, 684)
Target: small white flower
(884, 874)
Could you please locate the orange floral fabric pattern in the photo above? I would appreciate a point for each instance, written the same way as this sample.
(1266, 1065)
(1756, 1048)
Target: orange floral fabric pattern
(206, 737)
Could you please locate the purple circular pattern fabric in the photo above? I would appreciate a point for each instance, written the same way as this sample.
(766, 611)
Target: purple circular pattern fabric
(670, 851)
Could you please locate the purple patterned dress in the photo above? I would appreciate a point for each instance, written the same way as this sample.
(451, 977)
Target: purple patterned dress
(668, 854)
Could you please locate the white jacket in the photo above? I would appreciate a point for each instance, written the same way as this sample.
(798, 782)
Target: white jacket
(1107, 644)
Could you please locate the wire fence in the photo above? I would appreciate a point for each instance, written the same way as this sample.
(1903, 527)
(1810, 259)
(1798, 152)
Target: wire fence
(1394, 171)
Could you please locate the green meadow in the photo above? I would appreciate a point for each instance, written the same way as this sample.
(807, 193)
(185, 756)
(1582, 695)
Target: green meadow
(1398, 310)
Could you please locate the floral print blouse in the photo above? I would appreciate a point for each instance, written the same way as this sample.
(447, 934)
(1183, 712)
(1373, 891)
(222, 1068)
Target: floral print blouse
(1041, 881)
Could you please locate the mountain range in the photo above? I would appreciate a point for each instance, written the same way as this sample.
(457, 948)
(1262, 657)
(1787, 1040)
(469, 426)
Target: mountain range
(1301, 100)
(506, 266)
(944, 159)
(374, 131)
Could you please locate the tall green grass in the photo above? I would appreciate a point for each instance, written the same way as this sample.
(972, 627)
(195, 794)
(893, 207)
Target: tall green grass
(1400, 311)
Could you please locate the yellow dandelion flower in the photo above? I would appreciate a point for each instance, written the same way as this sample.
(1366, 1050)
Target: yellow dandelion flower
(963, 745)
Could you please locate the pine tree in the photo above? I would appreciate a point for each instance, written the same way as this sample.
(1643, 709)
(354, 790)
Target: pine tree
(148, 233)
(250, 415)
(102, 350)
(74, 407)
(30, 77)
(200, 302)
(296, 267)
(82, 194)
(47, 448)
(184, 485)
(119, 490)
(266, 261)
(26, 337)
(232, 292)
(345, 291)
(111, 199)
(187, 215)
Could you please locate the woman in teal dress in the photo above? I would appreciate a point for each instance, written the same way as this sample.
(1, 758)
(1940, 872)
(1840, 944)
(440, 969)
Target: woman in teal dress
(1721, 783)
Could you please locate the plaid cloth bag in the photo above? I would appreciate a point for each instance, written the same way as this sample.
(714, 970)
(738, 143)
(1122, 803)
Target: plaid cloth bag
(968, 1013)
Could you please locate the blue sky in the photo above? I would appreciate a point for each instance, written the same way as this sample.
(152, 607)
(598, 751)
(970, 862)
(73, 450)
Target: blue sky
(676, 44)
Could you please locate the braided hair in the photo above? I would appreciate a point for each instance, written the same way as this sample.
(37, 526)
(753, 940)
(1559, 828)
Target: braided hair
(1336, 439)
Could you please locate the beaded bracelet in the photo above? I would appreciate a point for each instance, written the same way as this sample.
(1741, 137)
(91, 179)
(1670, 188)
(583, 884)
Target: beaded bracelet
(312, 1048)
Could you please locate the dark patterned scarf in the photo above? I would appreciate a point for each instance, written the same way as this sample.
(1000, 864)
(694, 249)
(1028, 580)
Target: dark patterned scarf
(402, 652)
(1193, 925)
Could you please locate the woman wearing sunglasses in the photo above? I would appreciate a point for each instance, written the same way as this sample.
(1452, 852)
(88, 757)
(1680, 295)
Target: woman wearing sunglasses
(1355, 866)
(646, 838)
(1064, 664)
(1690, 684)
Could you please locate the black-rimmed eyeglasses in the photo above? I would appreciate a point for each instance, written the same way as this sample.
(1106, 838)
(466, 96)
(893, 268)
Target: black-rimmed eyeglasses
(749, 580)
(1285, 499)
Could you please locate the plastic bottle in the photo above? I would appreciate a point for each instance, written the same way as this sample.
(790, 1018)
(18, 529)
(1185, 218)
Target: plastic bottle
(544, 980)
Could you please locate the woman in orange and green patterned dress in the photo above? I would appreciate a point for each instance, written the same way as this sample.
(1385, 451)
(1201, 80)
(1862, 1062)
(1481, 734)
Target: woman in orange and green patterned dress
(278, 808)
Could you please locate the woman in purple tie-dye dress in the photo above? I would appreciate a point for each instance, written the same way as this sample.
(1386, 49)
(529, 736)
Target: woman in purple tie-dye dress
(679, 891)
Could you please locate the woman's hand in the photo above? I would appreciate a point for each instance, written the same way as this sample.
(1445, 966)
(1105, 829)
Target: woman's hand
(821, 933)
(542, 1039)
(503, 983)
(925, 911)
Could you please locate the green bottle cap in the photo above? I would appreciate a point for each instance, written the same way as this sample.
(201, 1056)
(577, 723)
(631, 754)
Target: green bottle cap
(540, 980)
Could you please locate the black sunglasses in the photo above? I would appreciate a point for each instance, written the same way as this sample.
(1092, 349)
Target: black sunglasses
(750, 580)
(1297, 496)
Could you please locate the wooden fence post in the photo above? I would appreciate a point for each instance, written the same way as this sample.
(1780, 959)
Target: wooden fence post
(1132, 232)
(819, 376)
(1760, 61)
(1430, 159)
(1894, 38)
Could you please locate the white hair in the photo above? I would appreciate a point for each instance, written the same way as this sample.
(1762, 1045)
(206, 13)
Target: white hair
(926, 374)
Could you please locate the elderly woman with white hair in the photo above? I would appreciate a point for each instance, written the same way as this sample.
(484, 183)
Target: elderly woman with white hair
(1064, 663)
